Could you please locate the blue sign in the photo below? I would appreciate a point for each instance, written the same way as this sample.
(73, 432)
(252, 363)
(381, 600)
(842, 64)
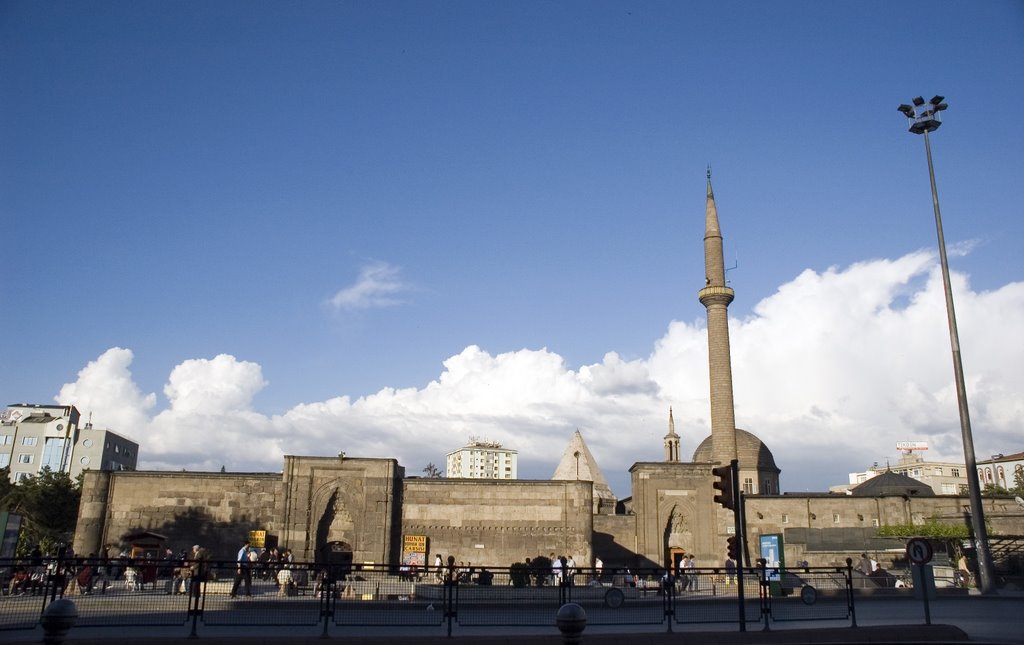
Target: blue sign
(771, 548)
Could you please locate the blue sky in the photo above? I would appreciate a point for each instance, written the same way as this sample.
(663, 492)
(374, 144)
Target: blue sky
(381, 227)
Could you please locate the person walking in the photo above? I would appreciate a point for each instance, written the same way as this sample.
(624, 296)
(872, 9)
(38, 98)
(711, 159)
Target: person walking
(243, 571)
(199, 569)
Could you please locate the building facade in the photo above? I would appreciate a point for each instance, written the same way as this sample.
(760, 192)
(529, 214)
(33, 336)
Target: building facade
(482, 460)
(34, 437)
(1005, 471)
(945, 478)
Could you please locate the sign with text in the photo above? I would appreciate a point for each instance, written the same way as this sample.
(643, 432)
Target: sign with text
(911, 445)
(414, 550)
(258, 539)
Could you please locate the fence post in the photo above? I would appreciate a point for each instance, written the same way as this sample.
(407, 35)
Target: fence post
(849, 591)
(194, 589)
(762, 584)
(669, 599)
(327, 591)
(451, 580)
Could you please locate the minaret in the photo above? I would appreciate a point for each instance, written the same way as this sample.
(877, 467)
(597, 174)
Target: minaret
(671, 441)
(716, 296)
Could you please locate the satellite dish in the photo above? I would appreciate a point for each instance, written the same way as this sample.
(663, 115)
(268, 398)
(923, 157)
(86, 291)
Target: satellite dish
(1020, 502)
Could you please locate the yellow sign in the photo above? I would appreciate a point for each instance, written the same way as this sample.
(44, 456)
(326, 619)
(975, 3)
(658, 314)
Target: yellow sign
(258, 539)
(415, 544)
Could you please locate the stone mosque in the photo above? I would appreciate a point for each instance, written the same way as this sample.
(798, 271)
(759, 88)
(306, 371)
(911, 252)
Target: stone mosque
(369, 509)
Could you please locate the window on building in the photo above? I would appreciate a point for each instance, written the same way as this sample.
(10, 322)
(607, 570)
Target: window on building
(25, 458)
(874, 521)
(28, 441)
(6, 439)
(949, 489)
(835, 518)
(766, 487)
(938, 472)
(785, 518)
(748, 485)
(20, 476)
(53, 453)
(955, 472)
(5, 459)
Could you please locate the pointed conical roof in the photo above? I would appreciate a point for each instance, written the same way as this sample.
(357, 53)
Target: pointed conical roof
(578, 464)
(671, 425)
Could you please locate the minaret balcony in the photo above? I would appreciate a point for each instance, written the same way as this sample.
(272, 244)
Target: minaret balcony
(716, 295)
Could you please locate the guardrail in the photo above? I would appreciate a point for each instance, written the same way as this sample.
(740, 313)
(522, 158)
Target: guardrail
(190, 594)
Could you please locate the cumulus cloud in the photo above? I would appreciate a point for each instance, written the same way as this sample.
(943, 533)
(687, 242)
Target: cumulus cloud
(105, 390)
(378, 285)
(830, 371)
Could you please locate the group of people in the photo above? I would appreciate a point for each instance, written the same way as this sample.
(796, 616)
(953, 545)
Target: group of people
(273, 564)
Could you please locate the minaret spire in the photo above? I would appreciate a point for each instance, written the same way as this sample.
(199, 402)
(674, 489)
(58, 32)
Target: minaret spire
(671, 440)
(716, 296)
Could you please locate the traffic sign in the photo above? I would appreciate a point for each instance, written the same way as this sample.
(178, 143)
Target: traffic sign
(919, 551)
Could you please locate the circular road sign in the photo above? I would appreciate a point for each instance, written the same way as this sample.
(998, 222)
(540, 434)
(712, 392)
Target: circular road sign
(919, 551)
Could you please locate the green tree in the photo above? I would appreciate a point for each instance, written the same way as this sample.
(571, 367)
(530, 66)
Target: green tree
(48, 504)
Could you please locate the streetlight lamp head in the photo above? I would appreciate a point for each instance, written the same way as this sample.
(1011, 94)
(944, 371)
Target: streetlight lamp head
(923, 119)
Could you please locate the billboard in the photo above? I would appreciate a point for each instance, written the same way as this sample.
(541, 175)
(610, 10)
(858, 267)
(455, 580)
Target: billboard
(911, 445)
(773, 552)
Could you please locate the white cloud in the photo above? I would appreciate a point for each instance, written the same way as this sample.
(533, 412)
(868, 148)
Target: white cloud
(222, 384)
(830, 371)
(378, 285)
(105, 390)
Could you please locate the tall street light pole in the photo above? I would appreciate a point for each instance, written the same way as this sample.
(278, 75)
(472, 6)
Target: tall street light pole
(924, 118)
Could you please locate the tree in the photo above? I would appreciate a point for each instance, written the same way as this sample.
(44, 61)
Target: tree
(48, 504)
(432, 471)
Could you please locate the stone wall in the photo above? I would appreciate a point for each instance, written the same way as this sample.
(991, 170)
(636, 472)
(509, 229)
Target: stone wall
(213, 509)
(342, 499)
(615, 540)
(675, 512)
(496, 523)
(826, 529)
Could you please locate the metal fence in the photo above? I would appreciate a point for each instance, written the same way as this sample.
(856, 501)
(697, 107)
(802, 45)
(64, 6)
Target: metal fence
(193, 594)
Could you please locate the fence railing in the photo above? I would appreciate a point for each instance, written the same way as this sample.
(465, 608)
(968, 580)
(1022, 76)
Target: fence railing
(193, 594)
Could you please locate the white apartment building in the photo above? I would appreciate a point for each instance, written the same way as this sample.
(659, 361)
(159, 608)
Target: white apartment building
(482, 460)
(33, 437)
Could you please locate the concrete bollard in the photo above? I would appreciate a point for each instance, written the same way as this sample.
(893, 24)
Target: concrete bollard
(57, 619)
(571, 620)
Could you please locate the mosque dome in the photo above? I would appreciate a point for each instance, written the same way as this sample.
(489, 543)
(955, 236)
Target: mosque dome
(749, 448)
(890, 484)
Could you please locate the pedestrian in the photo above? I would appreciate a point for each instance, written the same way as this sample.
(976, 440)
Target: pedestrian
(199, 569)
(243, 571)
(964, 570)
(684, 578)
(864, 564)
(730, 571)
